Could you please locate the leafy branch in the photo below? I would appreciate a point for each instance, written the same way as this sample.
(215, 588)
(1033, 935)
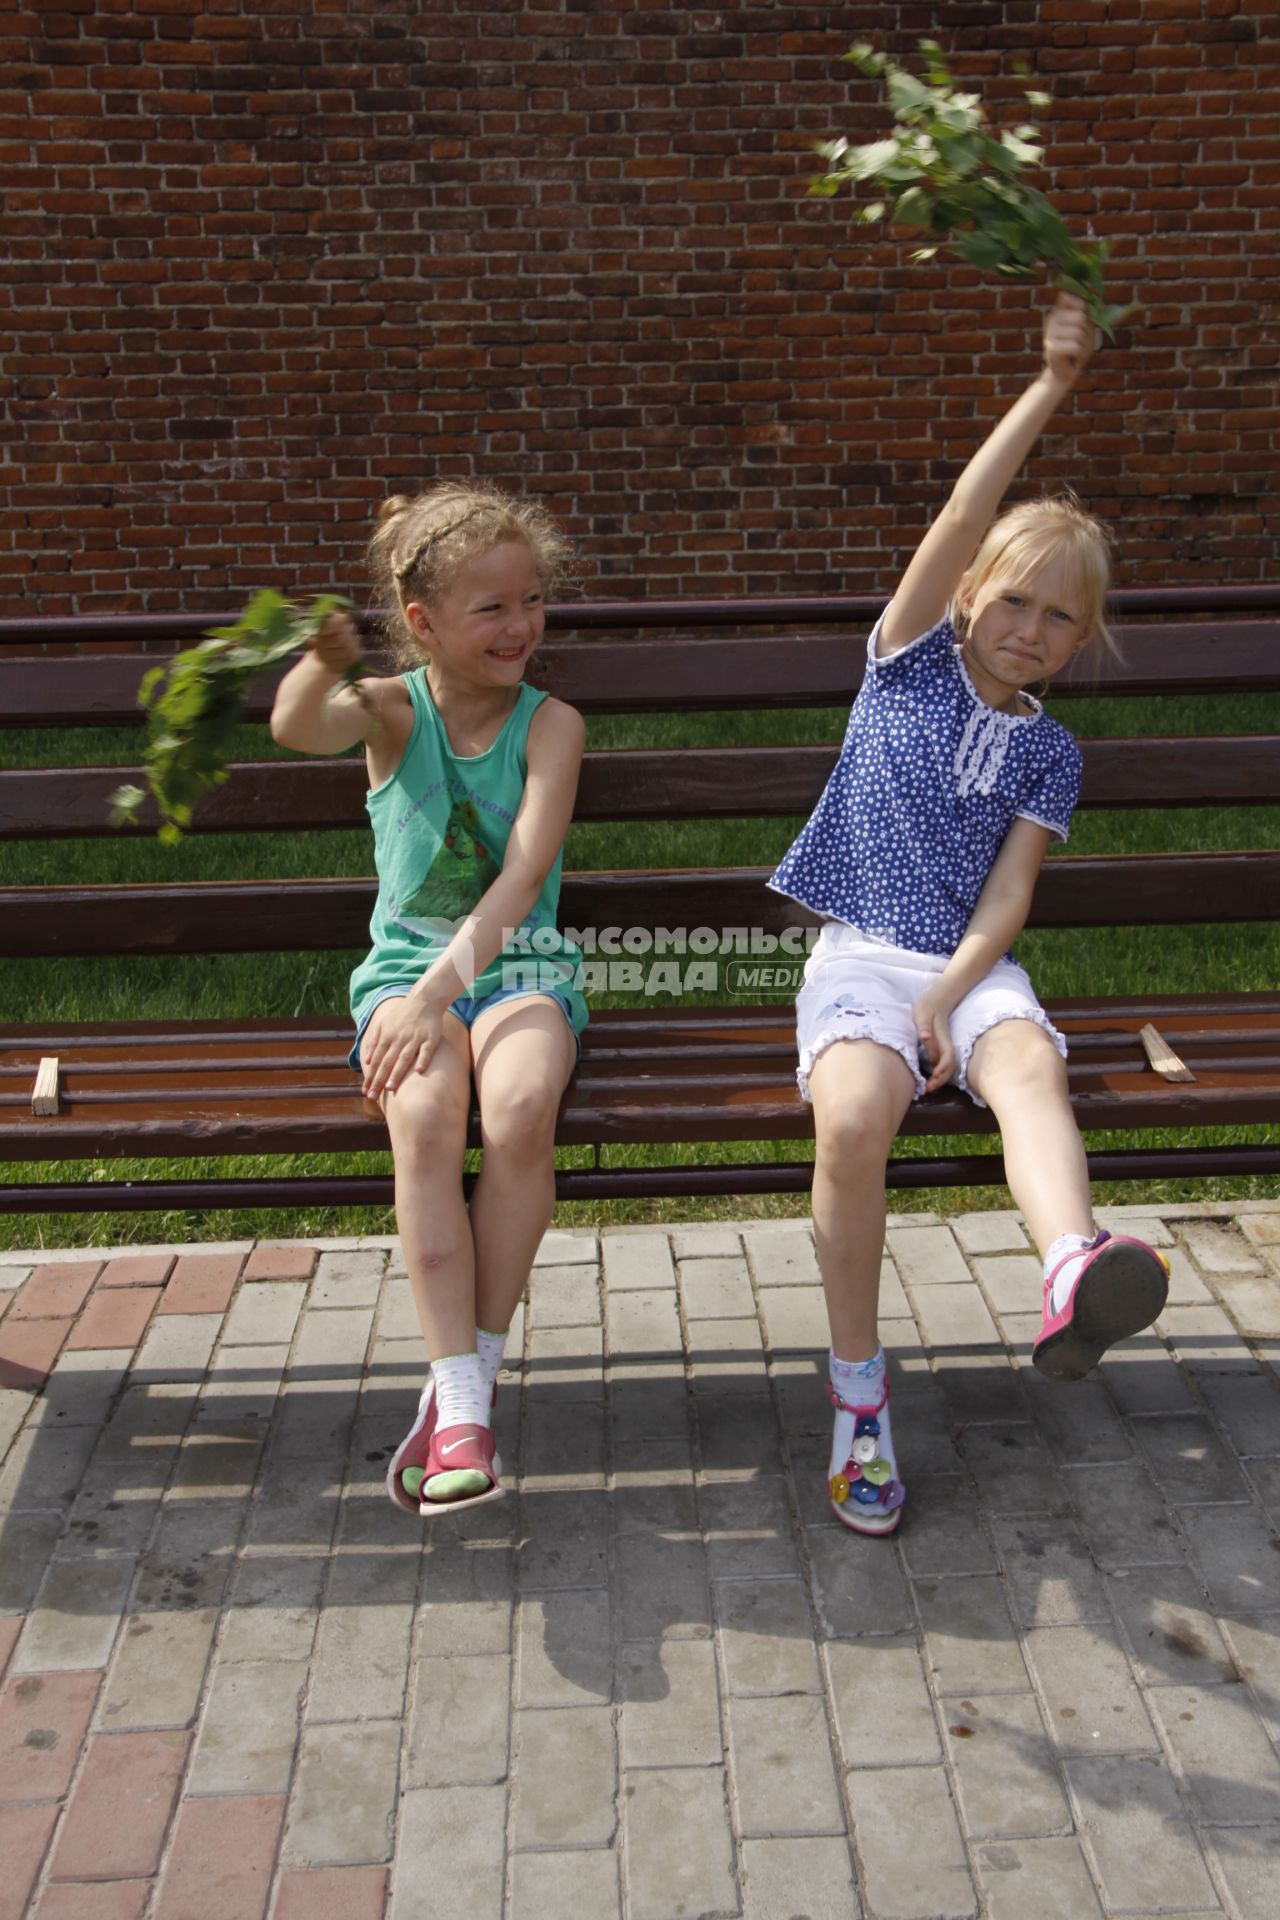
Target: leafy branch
(943, 169)
(195, 703)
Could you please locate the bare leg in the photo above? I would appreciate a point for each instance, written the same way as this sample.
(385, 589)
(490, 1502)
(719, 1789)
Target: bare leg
(1018, 1071)
(427, 1121)
(860, 1092)
(524, 1053)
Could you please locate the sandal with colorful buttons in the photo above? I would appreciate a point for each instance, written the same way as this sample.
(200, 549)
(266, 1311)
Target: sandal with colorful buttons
(864, 1491)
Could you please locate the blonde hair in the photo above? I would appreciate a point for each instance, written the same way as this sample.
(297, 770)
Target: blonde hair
(419, 545)
(1022, 540)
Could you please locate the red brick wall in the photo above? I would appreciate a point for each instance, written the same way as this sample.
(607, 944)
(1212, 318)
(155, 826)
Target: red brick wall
(270, 259)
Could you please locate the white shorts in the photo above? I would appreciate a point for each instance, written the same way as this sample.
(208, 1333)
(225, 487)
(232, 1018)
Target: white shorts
(860, 989)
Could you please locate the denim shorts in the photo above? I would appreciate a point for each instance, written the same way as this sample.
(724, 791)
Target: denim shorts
(467, 1009)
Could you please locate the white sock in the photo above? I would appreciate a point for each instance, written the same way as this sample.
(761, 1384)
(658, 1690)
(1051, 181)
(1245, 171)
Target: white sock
(860, 1384)
(462, 1391)
(1070, 1249)
(491, 1347)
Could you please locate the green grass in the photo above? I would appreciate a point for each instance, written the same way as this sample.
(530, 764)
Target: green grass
(1063, 963)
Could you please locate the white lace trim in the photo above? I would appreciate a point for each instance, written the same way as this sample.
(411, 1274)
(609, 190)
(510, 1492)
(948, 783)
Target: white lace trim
(981, 752)
(1009, 1010)
(852, 1026)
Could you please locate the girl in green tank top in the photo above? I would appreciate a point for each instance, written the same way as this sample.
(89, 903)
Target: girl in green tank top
(468, 981)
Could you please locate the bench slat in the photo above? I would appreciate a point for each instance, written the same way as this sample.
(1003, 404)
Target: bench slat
(683, 674)
(271, 796)
(271, 916)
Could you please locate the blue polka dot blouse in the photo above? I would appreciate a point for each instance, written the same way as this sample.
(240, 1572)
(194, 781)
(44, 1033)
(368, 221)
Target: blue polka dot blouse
(928, 783)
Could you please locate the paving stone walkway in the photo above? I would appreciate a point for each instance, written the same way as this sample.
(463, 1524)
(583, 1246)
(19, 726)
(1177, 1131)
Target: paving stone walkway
(659, 1679)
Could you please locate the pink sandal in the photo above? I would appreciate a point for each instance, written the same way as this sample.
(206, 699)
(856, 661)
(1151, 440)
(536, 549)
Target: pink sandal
(864, 1492)
(1121, 1286)
(413, 1451)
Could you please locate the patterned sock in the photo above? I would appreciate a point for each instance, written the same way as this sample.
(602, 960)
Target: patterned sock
(462, 1391)
(491, 1348)
(860, 1383)
(1070, 1249)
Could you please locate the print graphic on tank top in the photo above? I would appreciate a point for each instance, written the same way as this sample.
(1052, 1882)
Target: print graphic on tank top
(463, 870)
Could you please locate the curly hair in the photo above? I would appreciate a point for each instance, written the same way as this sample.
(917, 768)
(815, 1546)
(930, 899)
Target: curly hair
(419, 544)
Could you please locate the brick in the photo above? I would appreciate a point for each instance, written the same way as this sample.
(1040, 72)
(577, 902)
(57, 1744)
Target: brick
(636, 1262)
(782, 1256)
(564, 1297)
(913, 1857)
(344, 1796)
(274, 1608)
(1005, 1769)
(795, 1319)
(119, 1813)
(331, 1893)
(28, 1350)
(264, 1313)
(776, 1873)
(82, 1388)
(1246, 1859)
(564, 1778)
(927, 1256)
(1091, 1702)
(112, 1900)
(158, 1671)
(1050, 1572)
(1235, 1551)
(459, 1722)
(76, 1615)
(707, 1241)
(137, 1270)
(999, 1232)
(115, 1319)
(881, 1698)
(201, 1283)
(10, 1628)
(362, 1650)
(716, 1289)
(283, 1260)
(663, 1587)
(43, 1720)
(1219, 1247)
(671, 1704)
(45, 1467)
(565, 1649)
(780, 1761)
(56, 1292)
(1036, 1876)
(583, 1883)
(1222, 1749)
(971, 1645)
(747, 1525)
(766, 1635)
(450, 1837)
(221, 1862)
(348, 1279)
(678, 1844)
(1146, 1855)
(249, 1728)
(24, 1835)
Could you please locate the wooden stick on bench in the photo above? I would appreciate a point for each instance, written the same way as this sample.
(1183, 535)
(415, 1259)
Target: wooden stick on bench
(44, 1095)
(1162, 1056)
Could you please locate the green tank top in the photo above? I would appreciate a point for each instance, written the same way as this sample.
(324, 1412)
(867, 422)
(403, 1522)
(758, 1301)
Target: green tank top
(440, 829)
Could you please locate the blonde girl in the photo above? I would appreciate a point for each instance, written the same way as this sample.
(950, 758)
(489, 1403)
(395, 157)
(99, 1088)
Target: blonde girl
(472, 778)
(922, 855)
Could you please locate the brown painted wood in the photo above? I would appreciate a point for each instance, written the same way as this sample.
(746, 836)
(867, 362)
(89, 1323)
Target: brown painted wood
(270, 796)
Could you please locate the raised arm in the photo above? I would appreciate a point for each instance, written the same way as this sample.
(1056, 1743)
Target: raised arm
(940, 560)
(313, 712)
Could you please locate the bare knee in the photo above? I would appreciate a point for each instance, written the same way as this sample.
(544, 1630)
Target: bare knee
(428, 1126)
(520, 1120)
(851, 1137)
(1017, 1061)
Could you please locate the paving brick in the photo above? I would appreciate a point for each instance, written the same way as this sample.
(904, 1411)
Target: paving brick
(971, 1645)
(1005, 1769)
(1051, 1575)
(28, 1543)
(43, 1720)
(1047, 1878)
(112, 1900)
(467, 1596)
(567, 1247)
(942, 1532)
(775, 1873)
(264, 1313)
(780, 1764)
(10, 1628)
(1012, 1468)
(737, 1434)
(998, 1232)
(644, 1323)
(884, 1714)
(565, 1652)
(1129, 1813)
(564, 1297)
(201, 1283)
(766, 1635)
(1219, 1247)
(1228, 1763)
(158, 1671)
(44, 1468)
(451, 1837)
(913, 1856)
(331, 1893)
(1253, 1301)
(716, 1289)
(1171, 1631)
(565, 1883)
(706, 1241)
(459, 1722)
(782, 1256)
(678, 1844)
(662, 1586)
(1011, 1283)
(76, 1616)
(249, 1728)
(119, 1813)
(671, 1704)
(795, 1319)
(747, 1524)
(348, 1279)
(1131, 1526)
(222, 1859)
(1091, 1702)
(283, 1260)
(565, 1778)
(636, 1261)
(1079, 1424)
(1235, 1550)
(82, 1388)
(137, 1270)
(28, 1349)
(1186, 1288)
(362, 1651)
(1206, 1340)
(176, 1349)
(274, 1608)
(1246, 1858)
(24, 1835)
(344, 1797)
(1247, 1408)
(726, 1354)
(1255, 1649)
(56, 1292)
(115, 1319)
(970, 1362)
(927, 1256)
(1189, 1462)
(188, 1563)
(1142, 1376)
(571, 1549)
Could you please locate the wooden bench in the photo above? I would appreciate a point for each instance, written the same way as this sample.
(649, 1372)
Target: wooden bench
(651, 1073)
